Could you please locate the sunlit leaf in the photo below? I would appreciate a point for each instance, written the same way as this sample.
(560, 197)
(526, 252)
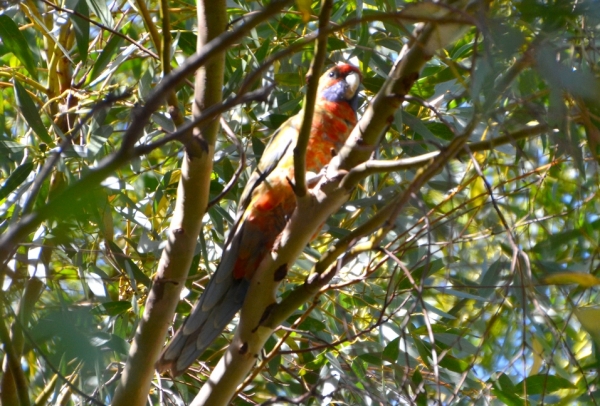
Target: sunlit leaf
(100, 8)
(305, 8)
(17, 44)
(585, 280)
(543, 383)
(31, 113)
(589, 317)
(105, 57)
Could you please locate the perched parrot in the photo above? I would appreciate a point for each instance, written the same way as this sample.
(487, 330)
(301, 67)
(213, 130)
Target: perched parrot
(267, 202)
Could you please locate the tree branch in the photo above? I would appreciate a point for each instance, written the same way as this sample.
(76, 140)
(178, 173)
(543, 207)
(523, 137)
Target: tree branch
(186, 222)
(371, 167)
(312, 78)
(13, 370)
(150, 26)
(323, 270)
(209, 114)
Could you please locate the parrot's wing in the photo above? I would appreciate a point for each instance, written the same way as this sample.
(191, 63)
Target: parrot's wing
(283, 139)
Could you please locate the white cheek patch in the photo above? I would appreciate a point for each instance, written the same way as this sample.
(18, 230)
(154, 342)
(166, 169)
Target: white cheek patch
(353, 81)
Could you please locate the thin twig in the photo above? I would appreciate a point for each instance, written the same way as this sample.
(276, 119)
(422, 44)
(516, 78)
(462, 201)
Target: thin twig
(312, 78)
(240, 169)
(207, 115)
(150, 26)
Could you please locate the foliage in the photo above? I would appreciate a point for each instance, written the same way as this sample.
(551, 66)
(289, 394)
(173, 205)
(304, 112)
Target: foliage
(483, 289)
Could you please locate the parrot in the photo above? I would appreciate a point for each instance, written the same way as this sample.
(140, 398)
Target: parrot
(267, 202)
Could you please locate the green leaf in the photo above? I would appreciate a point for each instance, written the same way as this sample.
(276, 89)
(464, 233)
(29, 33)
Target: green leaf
(462, 295)
(16, 43)
(105, 57)
(440, 130)
(274, 121)
(119, 345)
(358, 367)
(289, 21)
(2, 114)
(504, 389)
(373, 84)
(417, 377)
(424, 351)
(492, 276)
(292, 79)
(371, 358)
(312, 324)
(17, 177)
(418, 126)
(81, 27)
(258, 147)
(542, 383)
(392, 350)
(187, 42)
(274, 365)
(113, 308)
(335, 44)
(578, 82)
(31, 113)
(421, 399)
(454, 364)
(100, 8)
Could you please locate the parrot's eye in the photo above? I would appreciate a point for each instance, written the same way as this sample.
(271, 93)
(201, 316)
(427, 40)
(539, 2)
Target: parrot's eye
(332, 74)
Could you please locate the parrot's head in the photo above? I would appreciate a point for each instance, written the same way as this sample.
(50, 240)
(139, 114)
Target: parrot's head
(340, 84)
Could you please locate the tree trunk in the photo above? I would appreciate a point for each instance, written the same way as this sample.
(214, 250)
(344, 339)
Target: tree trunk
(192, 200)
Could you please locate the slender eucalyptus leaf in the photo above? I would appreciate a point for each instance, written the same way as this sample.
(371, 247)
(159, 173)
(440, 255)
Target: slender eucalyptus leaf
(31, 113)
(16, 43)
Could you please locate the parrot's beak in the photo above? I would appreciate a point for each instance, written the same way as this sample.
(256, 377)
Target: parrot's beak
(353, 81)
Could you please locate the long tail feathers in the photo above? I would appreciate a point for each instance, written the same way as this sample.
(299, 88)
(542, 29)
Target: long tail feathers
(201, 328)
(222, 298)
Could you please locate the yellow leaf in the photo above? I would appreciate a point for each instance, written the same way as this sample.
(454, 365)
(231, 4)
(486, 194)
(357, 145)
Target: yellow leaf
(538, 350)
(585, 280)
(305, 9)
(175, 176)
(589, 317)
(478, 192)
